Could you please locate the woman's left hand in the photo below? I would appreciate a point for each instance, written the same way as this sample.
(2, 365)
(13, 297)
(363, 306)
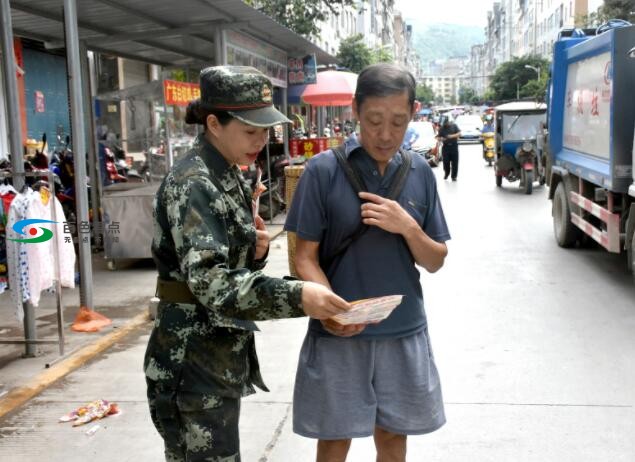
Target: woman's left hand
(262, 238)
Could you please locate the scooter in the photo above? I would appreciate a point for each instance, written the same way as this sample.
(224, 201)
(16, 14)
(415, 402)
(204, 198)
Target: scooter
(122, 166)
(489, 147)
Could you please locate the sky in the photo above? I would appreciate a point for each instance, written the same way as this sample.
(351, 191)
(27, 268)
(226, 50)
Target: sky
(464, 12)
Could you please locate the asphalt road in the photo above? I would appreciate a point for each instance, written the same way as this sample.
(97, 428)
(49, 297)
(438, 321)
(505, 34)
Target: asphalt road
(534, 344)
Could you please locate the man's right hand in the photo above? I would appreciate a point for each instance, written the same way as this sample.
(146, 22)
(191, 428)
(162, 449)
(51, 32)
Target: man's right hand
(335, 328)
(320, 303)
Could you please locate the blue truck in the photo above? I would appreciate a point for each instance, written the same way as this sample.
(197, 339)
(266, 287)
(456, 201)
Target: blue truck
(589, 145)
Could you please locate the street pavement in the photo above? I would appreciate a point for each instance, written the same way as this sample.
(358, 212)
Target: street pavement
(534, 345)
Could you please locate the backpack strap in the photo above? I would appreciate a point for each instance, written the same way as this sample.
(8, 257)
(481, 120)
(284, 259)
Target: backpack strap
(399, 181)
(352, 173)
(357, 182)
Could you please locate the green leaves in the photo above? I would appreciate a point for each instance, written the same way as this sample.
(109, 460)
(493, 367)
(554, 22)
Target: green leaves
(301, 16)
(512, 79)
(354, 54)
(425, 93)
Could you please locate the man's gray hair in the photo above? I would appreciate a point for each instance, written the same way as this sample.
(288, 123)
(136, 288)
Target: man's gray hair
(384, 79)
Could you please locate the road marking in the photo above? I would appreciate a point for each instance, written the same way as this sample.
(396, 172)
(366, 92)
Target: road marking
(16, 397)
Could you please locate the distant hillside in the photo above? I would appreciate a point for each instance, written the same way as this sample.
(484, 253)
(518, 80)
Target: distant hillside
(440, 41)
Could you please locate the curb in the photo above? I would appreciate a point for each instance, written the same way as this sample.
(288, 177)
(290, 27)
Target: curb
(20, 395)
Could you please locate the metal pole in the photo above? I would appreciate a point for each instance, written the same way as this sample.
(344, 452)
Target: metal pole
(15, 145)
(90, 135)
(97, 184)
(220, 57)
(320, 121)
(79, 145)
(287, 127)
(270, 184)
(168, 142)
(11, 92)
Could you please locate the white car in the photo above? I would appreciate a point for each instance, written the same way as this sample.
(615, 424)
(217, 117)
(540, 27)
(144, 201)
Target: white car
(471, 127)
(421, 138)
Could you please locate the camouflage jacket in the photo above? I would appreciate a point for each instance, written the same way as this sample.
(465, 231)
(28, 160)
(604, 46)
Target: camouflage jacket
(204, 235)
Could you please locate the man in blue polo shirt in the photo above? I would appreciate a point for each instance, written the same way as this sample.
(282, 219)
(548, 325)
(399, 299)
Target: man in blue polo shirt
(378, 379)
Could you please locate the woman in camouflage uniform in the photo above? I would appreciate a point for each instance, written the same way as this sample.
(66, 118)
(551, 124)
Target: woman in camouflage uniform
(209, 250)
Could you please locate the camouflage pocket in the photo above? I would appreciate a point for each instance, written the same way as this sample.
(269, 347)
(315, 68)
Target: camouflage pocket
(217, 362)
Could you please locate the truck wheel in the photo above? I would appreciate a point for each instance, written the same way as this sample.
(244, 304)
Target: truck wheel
(565, 231)
(499, 181)
(529, 181)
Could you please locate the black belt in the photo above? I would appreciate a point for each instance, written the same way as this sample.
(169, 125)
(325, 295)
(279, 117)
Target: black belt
(175, 292)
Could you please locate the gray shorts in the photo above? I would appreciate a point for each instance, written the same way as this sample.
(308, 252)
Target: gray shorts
(346, 386)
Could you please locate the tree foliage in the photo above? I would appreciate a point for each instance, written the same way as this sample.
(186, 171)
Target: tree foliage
(381, 55)
(611, 9)
(513, 77)
(354, 54)
(425, 94)
(301, 16)
(466, 95)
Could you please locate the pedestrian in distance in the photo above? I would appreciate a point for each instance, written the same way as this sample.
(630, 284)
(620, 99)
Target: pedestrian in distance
(210, 249)
(449, 134)
(369, 379)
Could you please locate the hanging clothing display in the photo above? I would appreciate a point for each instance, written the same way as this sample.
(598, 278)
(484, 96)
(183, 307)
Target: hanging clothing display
(30, 263)
(7, 193)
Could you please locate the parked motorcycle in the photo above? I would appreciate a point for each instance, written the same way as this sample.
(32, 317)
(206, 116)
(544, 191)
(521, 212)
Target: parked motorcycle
(154, 165)
(275, 187)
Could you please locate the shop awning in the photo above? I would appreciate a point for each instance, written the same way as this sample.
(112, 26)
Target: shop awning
(162, 32)
(294, 94)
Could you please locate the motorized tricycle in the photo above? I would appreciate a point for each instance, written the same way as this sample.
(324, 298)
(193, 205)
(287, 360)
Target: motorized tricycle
(517, 156)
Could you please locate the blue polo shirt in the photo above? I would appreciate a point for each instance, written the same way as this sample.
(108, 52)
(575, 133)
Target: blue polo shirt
(326, 209)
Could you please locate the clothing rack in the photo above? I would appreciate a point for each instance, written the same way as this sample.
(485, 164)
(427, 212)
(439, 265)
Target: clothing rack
(30, 333)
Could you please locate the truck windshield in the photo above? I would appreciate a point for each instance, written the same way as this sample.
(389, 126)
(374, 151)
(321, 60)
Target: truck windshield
(522, 126)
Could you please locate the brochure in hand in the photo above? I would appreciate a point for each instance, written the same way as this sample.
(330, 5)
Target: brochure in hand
(369, 310)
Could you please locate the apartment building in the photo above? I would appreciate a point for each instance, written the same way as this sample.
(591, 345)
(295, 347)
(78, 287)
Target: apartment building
(445, 87)
(517, 28)
(540, 22)
(381, 26)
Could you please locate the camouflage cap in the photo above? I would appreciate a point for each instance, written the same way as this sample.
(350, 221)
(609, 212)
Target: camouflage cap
(243, 91)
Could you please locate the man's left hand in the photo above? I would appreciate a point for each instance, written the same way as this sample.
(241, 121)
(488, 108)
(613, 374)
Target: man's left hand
(262, 238)
(385, 214)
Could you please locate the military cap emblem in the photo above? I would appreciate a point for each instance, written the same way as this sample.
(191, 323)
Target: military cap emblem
(266, 94)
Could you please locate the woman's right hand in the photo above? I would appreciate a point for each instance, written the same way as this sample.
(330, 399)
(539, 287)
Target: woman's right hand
(319, 302)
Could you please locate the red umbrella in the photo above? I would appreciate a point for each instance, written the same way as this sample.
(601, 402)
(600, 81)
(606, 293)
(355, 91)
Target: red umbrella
(333, 88)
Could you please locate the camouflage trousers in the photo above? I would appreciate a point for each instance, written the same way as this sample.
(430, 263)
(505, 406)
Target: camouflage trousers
(195, 427)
